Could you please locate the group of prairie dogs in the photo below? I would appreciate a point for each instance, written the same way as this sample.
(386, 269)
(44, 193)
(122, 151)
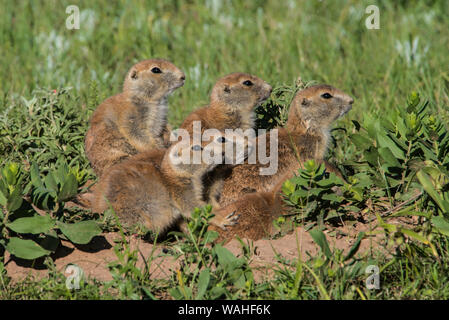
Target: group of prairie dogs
(140, 173)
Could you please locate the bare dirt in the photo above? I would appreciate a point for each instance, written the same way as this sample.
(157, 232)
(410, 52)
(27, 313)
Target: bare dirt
(94, 257)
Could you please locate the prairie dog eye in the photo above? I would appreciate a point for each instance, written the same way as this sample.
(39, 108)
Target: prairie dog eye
(197, 147)
(247, 83)
(326, 95)
(156, 70)
(221, 139)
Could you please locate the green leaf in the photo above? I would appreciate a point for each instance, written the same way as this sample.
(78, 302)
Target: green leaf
(217, 292)
(410, 212)
(203, 283)
(441, 224)
(210, 236)
(80, 232)
(50, 241)
(413, 101)
(176, 293)
(385, 141)
(300, 193)
(225, 257)
(414, 235)
(371, 155)
(50, 183)
(25, 249)
(319, 237)
(227, 260)
(34, 225)
(371, 126)
(69, 188)
(310, 165)
(3, 199)
(388, 157)
(332, 197)
(427, 184)
(288, 187)
(355, 246)
(15, 200)
(35, 177)
(327, 183)
(361, 142)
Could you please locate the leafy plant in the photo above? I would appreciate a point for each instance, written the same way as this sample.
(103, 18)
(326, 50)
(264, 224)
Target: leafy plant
(130, 281)
(30, 234)
(274, 112)
(395, 148)
(55, 188)
(208, 270)
(43, 129)
(317, 196)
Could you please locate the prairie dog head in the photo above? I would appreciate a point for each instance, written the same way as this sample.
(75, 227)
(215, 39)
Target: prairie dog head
(188, 158)
(153, 79)
(240, 91)
(318, 106)
(234, 146)
(185, 159)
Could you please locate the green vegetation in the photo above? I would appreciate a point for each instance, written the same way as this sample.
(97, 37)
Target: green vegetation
(392, 148)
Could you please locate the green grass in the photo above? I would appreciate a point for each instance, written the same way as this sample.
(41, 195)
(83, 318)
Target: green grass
(278, 41)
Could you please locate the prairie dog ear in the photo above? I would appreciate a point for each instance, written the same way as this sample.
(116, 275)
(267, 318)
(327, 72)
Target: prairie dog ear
(134, 75)
(305, 102)
(227, 89)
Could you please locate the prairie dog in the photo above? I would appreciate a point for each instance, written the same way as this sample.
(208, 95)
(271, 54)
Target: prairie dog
(255, 211)
(305, 137)
(134, 120)
(158, 188)
(232, 102)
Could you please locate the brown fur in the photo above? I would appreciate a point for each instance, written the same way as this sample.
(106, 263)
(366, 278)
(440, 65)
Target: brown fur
(255, 214)
(150, 188)
(305, 137)
(231, 105)
(135, 120)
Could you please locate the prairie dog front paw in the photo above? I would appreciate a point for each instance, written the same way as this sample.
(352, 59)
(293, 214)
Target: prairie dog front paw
(225, 218)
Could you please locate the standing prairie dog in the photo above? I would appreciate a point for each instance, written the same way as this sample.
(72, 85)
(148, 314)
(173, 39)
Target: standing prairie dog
(135, 120)
(159, 188)
(305, 137)
(232, 102)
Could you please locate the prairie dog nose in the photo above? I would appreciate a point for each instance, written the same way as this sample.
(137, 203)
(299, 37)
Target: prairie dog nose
(269, 87)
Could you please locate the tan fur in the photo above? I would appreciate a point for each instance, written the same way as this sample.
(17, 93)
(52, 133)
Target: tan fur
(305, 137)
(256, 212)
(232, 104)
(152, 189)
(135, 120)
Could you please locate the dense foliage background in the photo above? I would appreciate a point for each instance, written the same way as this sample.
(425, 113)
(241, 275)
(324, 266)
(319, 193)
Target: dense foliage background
(392, 147)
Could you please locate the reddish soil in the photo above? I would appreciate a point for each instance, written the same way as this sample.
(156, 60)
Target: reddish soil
(94, 257)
